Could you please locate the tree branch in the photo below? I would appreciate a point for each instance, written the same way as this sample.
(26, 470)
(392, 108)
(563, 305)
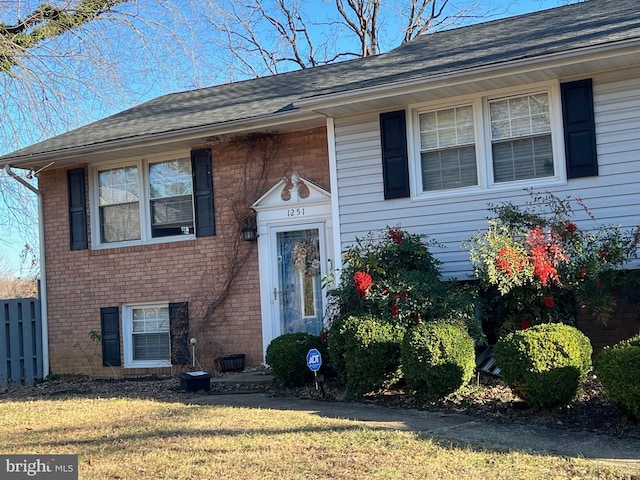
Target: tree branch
(44, 23)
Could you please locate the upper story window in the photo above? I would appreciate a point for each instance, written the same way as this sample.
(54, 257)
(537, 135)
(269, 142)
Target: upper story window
(521, 138)
(447, 149)
(170, 198)
(119, 194)
(144, 200)
(488, 142)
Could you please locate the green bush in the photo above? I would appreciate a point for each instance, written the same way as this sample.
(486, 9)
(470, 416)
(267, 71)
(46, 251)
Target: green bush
(545, 365)
(392, 275)
(337, 348)
(287, 357)
(370, 352)
(617, 368)
(437, 358)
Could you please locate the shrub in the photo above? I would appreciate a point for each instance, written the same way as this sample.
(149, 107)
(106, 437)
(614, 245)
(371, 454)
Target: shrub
(546, 364)
(617, 368)
(371, 352)
(393, 275)
(535, 263)
(287, 357)
(336, 342)
(437, 358)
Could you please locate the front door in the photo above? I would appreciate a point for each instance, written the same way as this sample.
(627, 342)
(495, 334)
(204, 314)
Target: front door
(298, 294)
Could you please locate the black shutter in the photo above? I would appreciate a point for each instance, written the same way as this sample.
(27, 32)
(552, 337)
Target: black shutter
(110, 324)
(203, 192)
(395, 165)
(77, 209)
(579, 128)
(179, 330)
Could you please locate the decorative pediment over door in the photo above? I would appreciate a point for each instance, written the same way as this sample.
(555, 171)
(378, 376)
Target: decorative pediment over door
(285, 199)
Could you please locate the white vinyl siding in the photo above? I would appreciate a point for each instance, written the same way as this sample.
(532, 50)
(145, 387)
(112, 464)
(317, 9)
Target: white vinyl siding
(613, 196)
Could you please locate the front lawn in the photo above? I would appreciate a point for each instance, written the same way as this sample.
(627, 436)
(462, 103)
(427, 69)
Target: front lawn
(134, 438)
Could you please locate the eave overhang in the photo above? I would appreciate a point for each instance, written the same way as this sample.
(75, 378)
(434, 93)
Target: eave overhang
(183, 139)
(566, 65)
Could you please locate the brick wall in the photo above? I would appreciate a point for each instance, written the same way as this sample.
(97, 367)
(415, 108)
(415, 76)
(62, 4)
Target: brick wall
(624, 324)
(80, 282)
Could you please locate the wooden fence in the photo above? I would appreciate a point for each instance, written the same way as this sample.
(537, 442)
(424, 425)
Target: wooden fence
(20, 341)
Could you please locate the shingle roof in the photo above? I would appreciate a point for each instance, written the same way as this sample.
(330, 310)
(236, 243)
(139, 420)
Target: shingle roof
(588, 24)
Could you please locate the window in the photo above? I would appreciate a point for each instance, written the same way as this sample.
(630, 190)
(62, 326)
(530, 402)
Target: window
(488, 142)
(119, 204)
(521, 138)
(144, 200)
(147, 341)
(447, 149)
(170, 198)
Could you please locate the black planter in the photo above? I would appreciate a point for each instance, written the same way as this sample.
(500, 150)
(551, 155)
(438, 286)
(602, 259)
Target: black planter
(195, 381)
(232, 363)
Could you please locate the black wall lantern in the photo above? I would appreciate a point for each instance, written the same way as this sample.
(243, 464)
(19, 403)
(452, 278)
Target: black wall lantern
(249, 231)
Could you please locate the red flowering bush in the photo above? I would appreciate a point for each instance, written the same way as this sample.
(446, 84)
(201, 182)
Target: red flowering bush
(362, 282)
(541, 265)
(394, 276)
(549, 302)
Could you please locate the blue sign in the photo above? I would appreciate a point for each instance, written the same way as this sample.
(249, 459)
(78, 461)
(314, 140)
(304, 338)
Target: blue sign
(314, 360)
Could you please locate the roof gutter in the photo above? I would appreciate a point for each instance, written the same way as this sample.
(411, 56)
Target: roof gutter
(184, 135)
(43, 276)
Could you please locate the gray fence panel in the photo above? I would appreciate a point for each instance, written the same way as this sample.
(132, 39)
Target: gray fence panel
(20, 341)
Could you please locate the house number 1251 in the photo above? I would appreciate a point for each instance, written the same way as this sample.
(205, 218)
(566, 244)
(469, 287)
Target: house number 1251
(295, 212)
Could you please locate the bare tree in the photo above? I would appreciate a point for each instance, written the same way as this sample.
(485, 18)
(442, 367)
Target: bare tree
(12, 286)
(44, 22)
(69, 62)
(18, 216)
(271, 36)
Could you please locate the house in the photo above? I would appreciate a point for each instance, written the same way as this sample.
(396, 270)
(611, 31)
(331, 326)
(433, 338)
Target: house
(146, 212)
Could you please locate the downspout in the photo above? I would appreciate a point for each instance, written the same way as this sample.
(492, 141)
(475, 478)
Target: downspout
(43, 276)
(335, 203)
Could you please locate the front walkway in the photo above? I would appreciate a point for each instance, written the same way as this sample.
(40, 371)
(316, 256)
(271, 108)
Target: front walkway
(459, 429)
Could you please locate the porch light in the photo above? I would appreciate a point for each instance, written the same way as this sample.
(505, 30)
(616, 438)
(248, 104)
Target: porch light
(249, 231)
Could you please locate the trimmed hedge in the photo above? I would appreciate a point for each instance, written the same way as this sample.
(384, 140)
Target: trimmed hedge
(438, 358)
(287, 357)
(617, 368)
(337, 348)
(369, 349)
(545, 365)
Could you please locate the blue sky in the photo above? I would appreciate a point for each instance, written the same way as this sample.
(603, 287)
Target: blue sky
(91, 109)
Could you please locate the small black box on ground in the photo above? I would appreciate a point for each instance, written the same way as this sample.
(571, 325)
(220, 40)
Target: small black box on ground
(232, 363)
(194, 381)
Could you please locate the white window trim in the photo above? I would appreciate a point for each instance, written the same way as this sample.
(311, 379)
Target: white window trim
(127, 340)
(144, 187)
(482, 129)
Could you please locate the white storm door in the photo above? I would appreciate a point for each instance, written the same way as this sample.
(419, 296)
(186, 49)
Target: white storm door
(298, 266)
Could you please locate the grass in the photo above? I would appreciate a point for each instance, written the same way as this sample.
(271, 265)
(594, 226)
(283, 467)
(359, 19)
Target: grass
(121, 438)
